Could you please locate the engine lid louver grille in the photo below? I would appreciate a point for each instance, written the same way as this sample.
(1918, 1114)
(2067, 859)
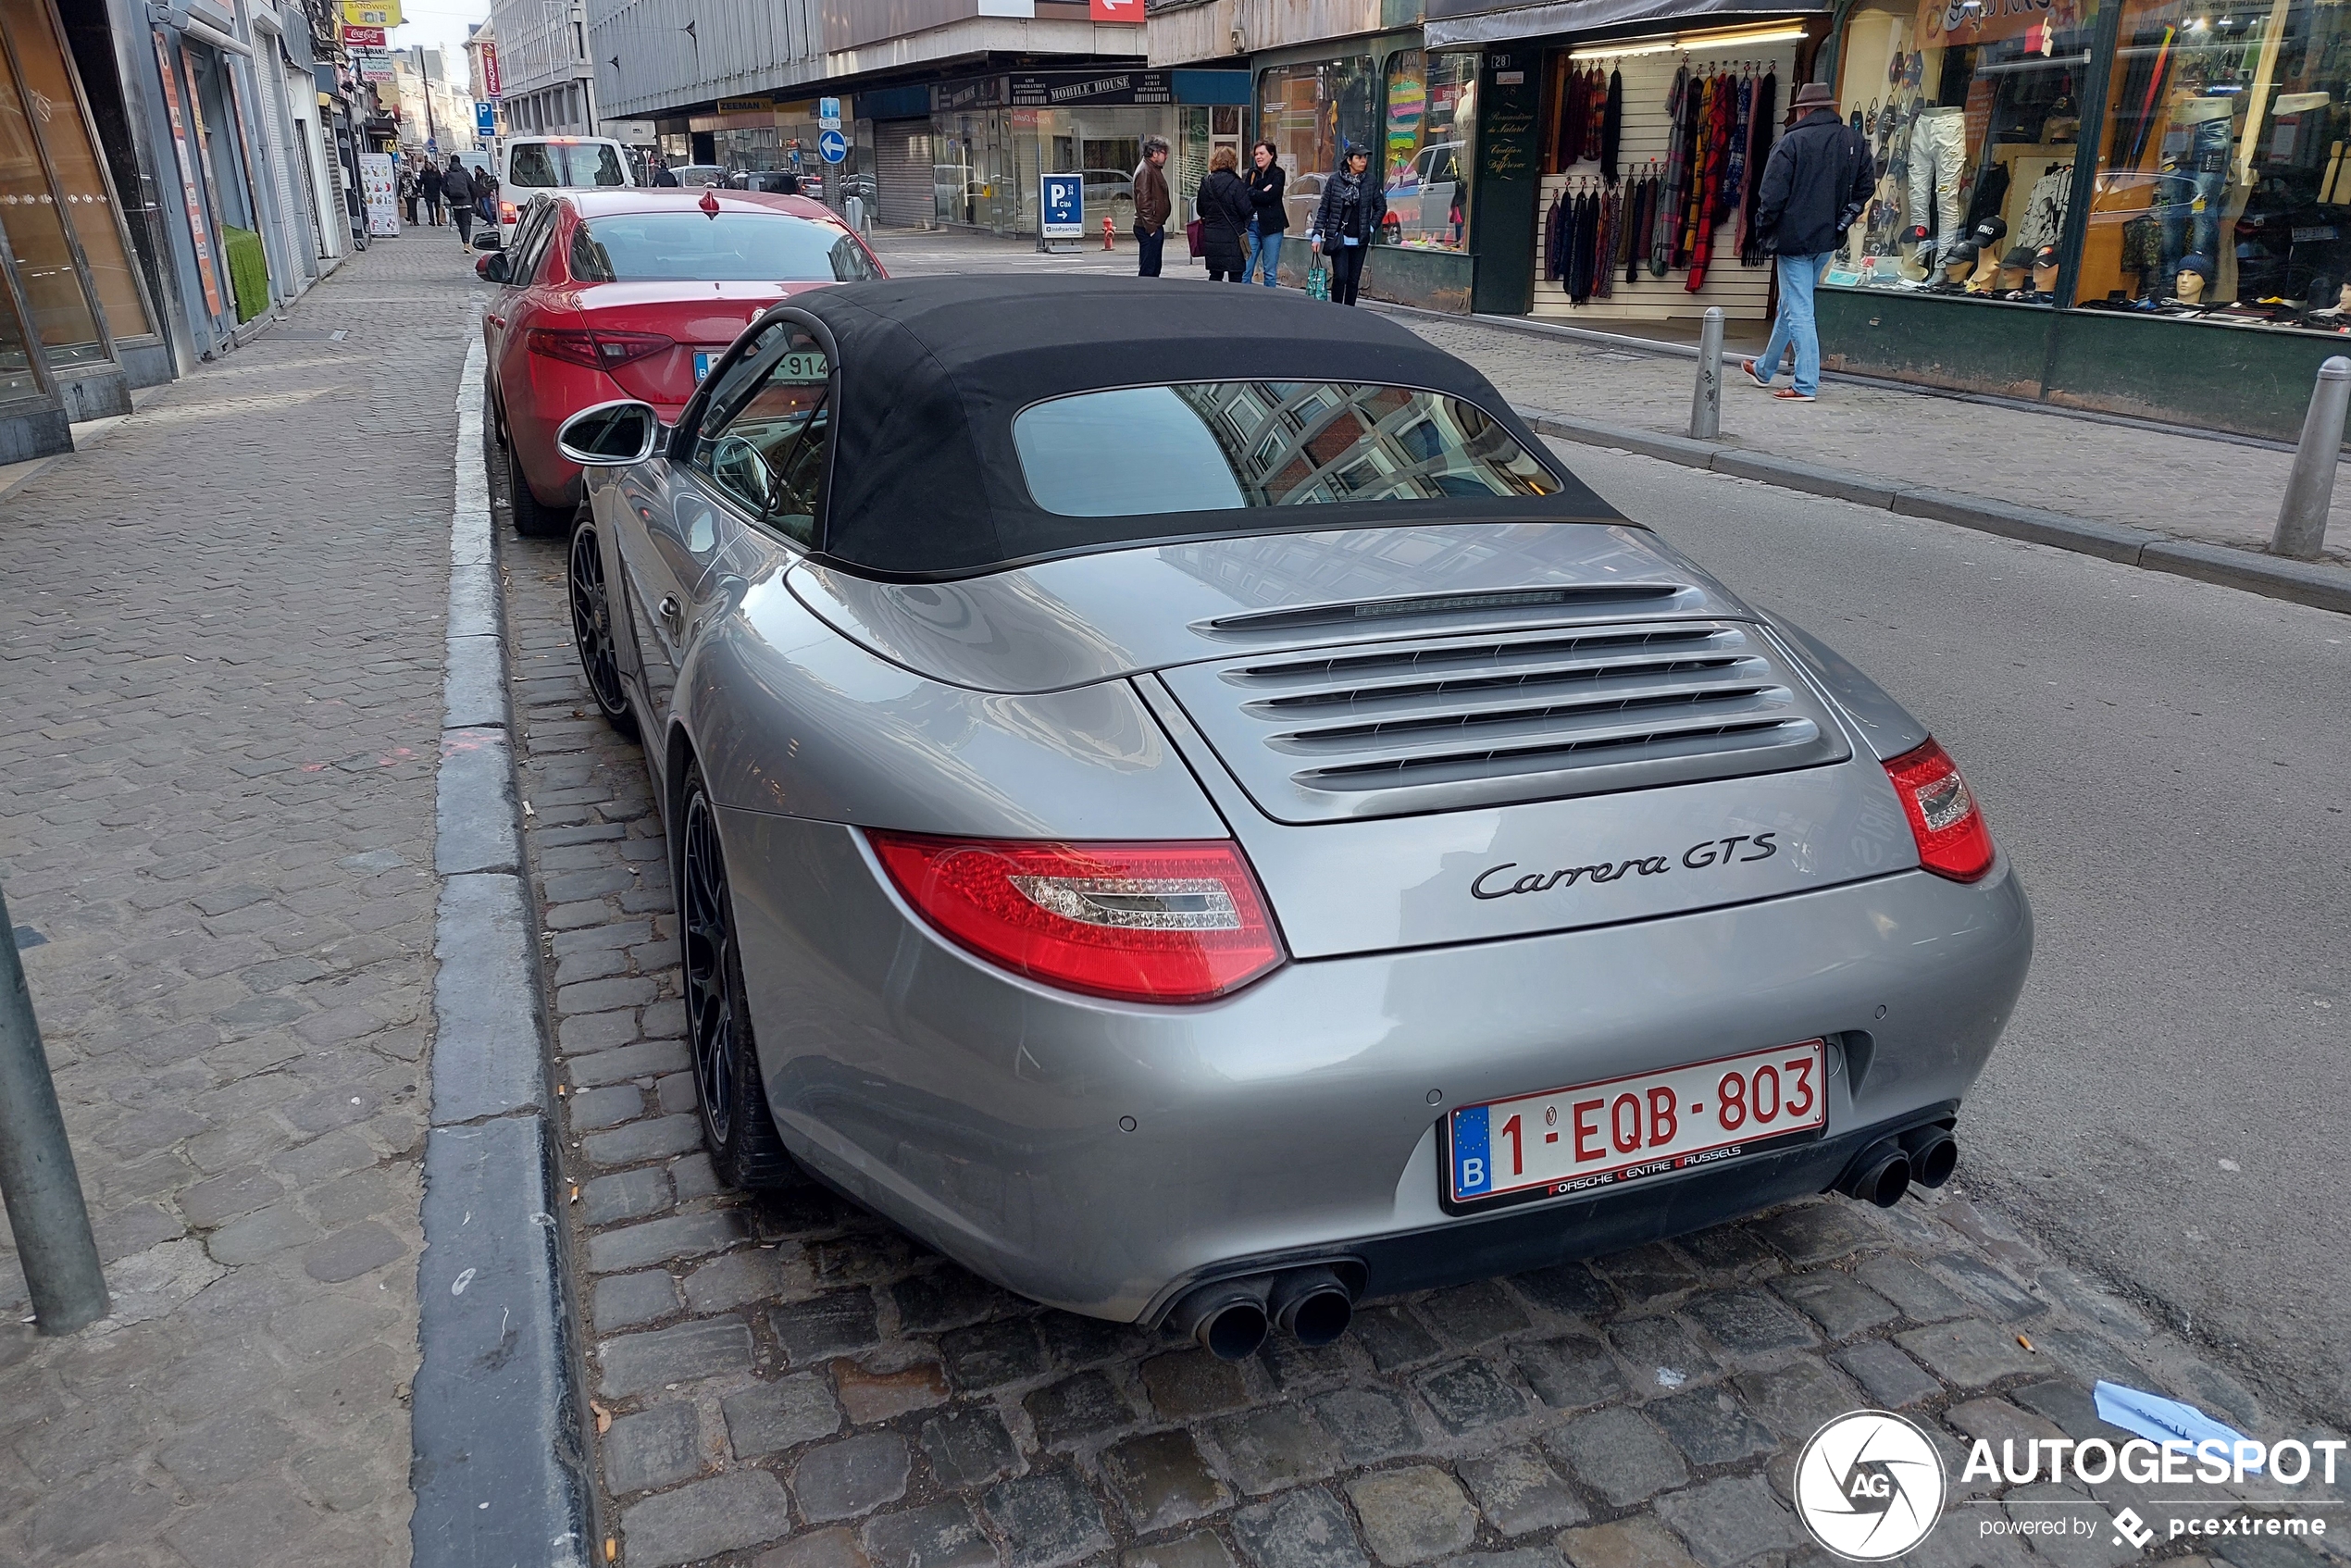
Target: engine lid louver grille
(1451, 723)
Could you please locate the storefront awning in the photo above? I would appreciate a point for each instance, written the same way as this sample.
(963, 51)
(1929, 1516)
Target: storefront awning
(1558, 16)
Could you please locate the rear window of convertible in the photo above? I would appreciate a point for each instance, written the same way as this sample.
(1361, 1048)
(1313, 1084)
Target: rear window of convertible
(1214, 446)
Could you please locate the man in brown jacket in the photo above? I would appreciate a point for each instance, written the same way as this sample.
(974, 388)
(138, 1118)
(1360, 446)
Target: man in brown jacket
(1153, 205)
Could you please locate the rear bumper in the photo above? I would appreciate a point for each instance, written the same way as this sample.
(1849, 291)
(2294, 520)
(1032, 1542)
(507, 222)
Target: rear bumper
(1300, 1118)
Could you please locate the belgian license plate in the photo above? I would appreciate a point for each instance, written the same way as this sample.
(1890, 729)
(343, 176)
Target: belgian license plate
(1595, 1135)
(703, 357)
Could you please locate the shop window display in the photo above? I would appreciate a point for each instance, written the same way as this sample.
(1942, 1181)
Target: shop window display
(1972, 110)
(1431, 119)
(2221, 190)
(1308, 111)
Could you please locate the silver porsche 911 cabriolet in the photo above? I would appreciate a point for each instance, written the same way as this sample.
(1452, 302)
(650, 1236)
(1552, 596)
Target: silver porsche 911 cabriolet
(1182, 802)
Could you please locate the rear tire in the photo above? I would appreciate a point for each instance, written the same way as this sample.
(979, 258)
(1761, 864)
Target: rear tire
(592, 629)
(745, 1150)
(531, 519)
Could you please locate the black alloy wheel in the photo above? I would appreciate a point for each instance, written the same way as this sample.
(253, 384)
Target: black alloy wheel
(744, 1148)
(592, 632)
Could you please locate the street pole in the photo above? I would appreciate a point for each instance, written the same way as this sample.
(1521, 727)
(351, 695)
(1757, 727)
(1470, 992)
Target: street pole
(1706, 398)
(2310, 489)
(37, 1180)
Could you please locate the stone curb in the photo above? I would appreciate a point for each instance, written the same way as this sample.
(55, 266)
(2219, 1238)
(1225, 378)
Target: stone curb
(500, 1470)
(2321, 585)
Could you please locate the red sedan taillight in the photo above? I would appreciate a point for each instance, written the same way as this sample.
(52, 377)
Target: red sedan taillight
(1151, 922)
(600, 349)
(1945, 819)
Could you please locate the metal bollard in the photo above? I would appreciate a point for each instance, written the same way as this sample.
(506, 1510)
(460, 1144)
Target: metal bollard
(2310, 489)
(37, 1180)
(1706, 398)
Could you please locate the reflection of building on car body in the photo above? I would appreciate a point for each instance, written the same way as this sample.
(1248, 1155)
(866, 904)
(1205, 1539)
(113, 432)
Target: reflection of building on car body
(1139, 836)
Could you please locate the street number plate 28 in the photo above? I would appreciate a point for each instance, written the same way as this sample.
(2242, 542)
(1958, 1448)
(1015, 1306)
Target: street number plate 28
(1595, 1135)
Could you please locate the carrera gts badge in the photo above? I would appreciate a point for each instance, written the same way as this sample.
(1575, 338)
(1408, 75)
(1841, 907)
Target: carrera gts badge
(1697, 857)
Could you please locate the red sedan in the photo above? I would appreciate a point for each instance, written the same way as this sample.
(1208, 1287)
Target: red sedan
(634, 293)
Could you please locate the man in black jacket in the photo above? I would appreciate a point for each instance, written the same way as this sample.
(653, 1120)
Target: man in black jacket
(1815, 187)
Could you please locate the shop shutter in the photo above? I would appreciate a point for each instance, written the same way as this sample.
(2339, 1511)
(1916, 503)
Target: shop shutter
(903, 173)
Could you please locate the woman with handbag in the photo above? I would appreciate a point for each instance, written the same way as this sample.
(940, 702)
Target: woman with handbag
(1224, 208)
(1268, 220)
(1348, 220)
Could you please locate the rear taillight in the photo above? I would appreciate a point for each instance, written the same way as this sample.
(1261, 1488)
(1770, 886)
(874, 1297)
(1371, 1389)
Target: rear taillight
(1945, 819)
(506, 213)
(1154, 922)
(598, 350)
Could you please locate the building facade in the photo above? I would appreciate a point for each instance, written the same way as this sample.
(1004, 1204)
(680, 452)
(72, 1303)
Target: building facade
(547, 82)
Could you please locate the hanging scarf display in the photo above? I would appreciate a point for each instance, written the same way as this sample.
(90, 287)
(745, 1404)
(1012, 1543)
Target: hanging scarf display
(1574, 112)
(1742, 127)
(1604, 256)
(1594, 113)
(1639, 219)
(1611, 126)
(1666, 230)
(1554, 233)
(1711, 209)
(1759, 153)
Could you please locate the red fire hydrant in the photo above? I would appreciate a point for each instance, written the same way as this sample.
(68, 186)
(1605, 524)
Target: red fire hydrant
(1107, 233)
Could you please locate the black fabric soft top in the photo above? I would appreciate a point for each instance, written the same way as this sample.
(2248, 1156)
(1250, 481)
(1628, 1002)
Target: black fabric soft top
(930, 371)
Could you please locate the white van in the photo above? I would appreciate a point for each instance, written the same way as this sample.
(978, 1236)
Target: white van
(528, 165)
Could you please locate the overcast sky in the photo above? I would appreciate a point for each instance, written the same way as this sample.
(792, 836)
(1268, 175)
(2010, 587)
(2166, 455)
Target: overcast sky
(439, 24)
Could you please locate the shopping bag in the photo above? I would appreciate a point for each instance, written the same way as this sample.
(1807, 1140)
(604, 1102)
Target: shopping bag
(1192, 234)
(1318, 282)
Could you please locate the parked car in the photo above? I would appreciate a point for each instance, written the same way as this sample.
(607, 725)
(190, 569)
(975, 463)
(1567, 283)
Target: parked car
(1422, 200)
(528, 165)
(632, 293)
(1300, 196)
(1214, 850)
(699, 175)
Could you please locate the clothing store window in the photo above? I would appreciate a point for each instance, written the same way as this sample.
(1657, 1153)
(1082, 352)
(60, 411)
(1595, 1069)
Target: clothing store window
(1431, 116)
(1308, 111)
(1972, 112)
(2222, 188)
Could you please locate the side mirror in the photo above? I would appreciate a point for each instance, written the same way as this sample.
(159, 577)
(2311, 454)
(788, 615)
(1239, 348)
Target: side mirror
(610, 435)
(491, 267)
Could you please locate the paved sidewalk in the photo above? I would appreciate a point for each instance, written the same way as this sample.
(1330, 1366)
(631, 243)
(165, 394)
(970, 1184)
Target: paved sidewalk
(221, 654)
(790, 1382)
(2216, 492)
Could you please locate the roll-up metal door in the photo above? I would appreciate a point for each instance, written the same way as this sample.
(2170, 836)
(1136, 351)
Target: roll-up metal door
(903, 173)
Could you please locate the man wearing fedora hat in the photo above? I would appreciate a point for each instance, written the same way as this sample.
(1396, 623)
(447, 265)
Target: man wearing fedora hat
(1815, 187)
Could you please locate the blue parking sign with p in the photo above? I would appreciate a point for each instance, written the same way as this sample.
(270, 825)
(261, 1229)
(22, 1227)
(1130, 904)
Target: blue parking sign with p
(1064, 203)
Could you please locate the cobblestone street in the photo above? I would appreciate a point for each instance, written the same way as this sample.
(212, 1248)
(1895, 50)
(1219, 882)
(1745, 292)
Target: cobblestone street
(791, 1383)
(221, 652)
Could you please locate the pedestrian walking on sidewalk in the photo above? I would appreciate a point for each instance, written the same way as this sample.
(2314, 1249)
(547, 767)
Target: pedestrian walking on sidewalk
(662, 173)
(1153, 205)
(1268, 218)
(1815, 187)
(411, 191)
(430, 183)
(1225, 213)
(485, 193)
(458, 186)
(1348, 220)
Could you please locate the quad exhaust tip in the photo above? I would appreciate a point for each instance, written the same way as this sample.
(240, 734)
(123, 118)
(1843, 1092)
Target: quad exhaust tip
(1933, 1152)
(1230, 1318)
(1879, 1175)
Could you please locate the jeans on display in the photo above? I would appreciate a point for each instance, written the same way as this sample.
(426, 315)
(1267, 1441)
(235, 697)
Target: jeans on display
(2201, 174)
(1267, 249)
(1347, 273)
(1146, 248)
(1938, 159)
(1800, 275)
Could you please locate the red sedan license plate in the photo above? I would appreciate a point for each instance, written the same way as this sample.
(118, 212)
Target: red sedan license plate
(1599, 1135)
